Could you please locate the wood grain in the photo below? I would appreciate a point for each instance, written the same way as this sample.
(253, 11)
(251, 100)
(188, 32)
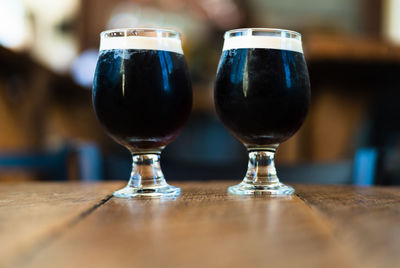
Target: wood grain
(366, 220)
(75, 225)
(203, 228)
(32, 214)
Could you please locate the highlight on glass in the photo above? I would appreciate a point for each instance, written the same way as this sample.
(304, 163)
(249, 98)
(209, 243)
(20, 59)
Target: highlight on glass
(142, 96)
(262, 96)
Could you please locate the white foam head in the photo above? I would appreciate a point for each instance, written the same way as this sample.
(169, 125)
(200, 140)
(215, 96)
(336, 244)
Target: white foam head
(154, 39)
(263, 38)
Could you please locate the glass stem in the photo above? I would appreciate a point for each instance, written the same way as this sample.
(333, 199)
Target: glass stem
(261, 168)
(146, 171)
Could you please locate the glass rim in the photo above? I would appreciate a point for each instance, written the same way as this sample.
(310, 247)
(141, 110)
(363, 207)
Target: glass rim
(140, 31)
(263, 32)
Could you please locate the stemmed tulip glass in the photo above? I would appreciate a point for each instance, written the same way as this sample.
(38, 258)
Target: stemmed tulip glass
(262, 95)
(142, 96)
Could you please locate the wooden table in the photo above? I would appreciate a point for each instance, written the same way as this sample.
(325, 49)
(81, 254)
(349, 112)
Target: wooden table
(82, 225)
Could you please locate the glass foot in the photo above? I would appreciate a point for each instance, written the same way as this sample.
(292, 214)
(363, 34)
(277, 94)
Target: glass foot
(160, 191)
(251, 189)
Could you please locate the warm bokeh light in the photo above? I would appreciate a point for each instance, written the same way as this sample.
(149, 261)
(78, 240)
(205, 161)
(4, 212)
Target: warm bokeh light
(391, 22)
(12, 24)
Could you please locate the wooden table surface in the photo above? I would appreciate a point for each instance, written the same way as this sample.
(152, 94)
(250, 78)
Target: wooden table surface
(82, 225)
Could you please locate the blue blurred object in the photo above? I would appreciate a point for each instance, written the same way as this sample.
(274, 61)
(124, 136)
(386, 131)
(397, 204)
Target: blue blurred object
(365, 164)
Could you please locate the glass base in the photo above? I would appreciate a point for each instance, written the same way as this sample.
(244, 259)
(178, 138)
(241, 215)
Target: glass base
(157, 192)
(251, 189)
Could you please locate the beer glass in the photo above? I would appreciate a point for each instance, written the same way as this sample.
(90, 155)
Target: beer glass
(262, 95)
(142, 96)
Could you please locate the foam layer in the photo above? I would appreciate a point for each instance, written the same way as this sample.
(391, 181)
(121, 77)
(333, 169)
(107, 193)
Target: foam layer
(141, 42)
(272, 42)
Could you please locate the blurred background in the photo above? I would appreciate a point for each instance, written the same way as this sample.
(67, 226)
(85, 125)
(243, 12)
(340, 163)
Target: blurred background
(48, 52)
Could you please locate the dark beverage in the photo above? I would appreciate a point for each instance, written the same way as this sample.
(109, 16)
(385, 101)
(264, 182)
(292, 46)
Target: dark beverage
(142, 97)
(262, 95)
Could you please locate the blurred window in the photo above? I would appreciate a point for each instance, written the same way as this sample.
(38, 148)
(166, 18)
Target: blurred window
(391, 20)
(12, 25)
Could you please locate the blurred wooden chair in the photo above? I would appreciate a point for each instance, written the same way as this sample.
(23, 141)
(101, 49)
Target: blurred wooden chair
(79, 162)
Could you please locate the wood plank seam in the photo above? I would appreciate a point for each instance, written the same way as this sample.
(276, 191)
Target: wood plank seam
(330, 229)
(363, 219)
(54, 235)
(322, 217)
(199, 226)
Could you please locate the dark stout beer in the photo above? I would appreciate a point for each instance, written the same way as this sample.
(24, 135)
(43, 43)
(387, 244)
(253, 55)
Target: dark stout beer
(142, 97)
(262, 95)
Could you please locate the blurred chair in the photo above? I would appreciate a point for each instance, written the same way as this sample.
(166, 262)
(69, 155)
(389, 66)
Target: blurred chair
(45, 165)
(81, 162)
